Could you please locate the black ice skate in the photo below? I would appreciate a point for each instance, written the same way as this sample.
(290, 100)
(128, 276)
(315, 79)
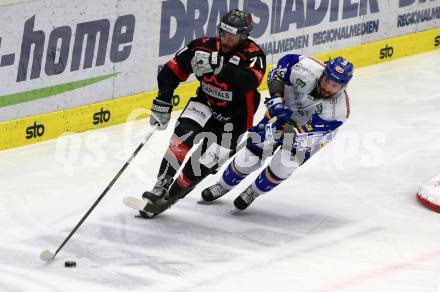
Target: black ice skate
(245, 198)
(213, 192)
(160, 189)
(156, 196)
(152, 209)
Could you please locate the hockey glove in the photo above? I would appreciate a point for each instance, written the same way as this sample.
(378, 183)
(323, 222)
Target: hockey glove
(203, 63)
(267, 133)
(160, 113)
(276, 108)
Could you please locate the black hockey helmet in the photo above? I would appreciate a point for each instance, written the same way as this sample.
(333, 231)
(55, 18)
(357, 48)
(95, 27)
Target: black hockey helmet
(236, 22)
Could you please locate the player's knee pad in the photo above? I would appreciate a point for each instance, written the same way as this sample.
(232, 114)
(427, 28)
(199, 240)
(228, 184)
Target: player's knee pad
(186, 130)
(246, 162)
(283, 163)
(213, 154)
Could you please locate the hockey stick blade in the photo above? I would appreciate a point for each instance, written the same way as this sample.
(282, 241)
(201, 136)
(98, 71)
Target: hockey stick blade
(46, 256)
(145, 205)
(135, 203)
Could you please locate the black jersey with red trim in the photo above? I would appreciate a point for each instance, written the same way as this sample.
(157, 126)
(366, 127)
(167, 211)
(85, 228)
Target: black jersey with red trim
(231, 94)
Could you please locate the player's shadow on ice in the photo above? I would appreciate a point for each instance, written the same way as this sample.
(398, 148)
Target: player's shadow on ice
(185, 238)
(189, 229)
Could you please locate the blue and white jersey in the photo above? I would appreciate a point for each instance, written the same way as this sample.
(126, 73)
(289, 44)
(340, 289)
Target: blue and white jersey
(300, 76)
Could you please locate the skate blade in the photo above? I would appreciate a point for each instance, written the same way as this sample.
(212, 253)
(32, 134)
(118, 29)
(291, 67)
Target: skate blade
(46, 256)
(236, 211)
(203, 202)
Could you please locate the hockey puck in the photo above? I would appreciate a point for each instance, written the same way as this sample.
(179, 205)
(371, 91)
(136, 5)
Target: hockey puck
(70, 264)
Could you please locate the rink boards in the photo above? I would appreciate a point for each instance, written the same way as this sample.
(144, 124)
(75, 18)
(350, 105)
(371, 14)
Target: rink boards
(42, 127)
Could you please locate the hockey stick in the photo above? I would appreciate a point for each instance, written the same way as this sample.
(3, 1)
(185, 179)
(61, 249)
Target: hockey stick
(47, 255)
(234, 151)
(157, 208)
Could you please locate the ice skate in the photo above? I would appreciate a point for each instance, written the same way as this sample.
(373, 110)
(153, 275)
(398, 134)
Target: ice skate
(156, 196)
(245, 198)
(160, 189)
(213, 192)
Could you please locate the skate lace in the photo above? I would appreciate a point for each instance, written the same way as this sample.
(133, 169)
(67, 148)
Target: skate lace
(249, 195)
(217, 190)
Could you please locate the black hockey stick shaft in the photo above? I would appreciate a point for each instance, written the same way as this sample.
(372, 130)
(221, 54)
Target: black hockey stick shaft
(147, 137)
(240, 146)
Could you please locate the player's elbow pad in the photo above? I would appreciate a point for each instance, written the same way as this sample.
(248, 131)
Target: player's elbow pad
(276, 87)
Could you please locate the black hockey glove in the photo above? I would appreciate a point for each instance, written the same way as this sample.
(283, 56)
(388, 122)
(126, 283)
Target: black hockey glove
(160, 113)
(204, 62)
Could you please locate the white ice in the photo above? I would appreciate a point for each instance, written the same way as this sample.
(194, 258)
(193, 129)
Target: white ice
(347, 220)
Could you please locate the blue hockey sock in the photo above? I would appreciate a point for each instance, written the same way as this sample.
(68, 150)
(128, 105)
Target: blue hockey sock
(267, 180)
(231, 176)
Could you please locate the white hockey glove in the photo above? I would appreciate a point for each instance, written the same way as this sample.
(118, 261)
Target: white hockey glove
(160, 113)
(273, 133)
(306, 141)
(204, 62)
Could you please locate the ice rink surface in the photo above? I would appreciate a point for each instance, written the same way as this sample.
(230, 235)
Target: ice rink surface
(347, 220)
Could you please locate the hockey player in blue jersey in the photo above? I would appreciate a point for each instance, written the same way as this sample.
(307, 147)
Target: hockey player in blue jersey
(308, 102)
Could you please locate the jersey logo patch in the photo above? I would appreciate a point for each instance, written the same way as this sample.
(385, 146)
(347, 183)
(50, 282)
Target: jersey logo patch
(216, 93)
(300, 83)
(235, 60)
(252, 48)
(319, 108)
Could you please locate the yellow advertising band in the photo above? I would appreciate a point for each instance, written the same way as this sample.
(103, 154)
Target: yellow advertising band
(48, 126)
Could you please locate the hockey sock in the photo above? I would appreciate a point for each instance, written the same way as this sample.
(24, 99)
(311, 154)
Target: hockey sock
(187, 180)
(174, 157)
(267, 181)
(231, 177)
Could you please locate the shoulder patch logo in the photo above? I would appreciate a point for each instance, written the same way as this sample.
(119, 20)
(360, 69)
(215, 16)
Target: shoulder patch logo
(235, 60)
(251, 48)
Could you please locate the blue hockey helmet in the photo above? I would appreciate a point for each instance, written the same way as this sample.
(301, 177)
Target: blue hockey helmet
(339, 70)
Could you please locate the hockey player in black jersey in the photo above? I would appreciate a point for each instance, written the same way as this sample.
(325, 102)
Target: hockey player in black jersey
(229, 68)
